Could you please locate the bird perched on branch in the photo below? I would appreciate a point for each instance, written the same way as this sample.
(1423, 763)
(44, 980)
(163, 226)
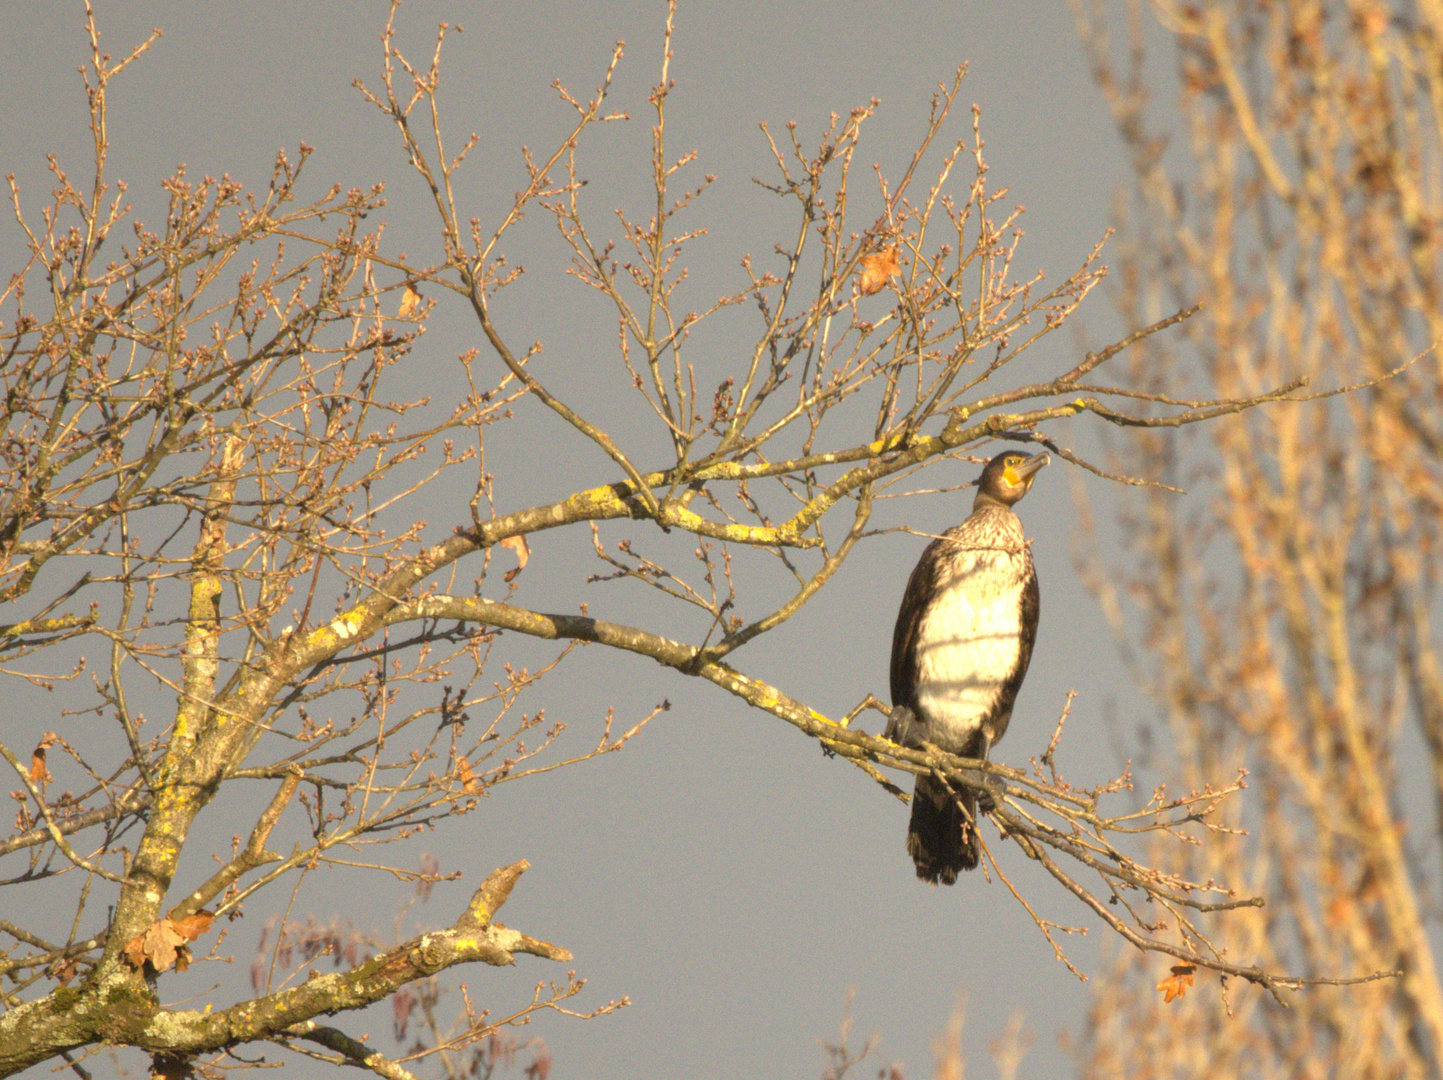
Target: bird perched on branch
(960, 650)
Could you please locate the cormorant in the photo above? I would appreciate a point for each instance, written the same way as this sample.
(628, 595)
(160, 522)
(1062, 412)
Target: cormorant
(960, 650)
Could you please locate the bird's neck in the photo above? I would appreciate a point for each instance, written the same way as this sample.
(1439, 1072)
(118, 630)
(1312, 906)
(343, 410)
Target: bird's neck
(987, 501)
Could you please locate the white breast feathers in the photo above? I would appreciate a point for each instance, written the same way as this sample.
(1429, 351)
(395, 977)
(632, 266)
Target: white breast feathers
(969, 643)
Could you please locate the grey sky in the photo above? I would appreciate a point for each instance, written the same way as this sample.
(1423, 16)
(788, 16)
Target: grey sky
(719, 871)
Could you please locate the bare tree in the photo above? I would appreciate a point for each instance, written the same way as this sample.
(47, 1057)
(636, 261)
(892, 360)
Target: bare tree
(1289, 623)
(212, 468)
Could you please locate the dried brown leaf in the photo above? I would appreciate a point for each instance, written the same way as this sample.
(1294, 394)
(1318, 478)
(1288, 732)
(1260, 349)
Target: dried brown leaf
(467, 776)
(876, 269)
(410, 301)
(519, 545)
(1176, 984)
(163, 943)
(192, 926)
(39, 771)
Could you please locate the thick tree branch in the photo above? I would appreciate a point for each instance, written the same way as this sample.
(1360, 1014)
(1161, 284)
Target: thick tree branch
(35, 1031)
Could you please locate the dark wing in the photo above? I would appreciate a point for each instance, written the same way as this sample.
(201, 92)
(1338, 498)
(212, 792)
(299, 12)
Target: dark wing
(1031, 601)
(921, 588)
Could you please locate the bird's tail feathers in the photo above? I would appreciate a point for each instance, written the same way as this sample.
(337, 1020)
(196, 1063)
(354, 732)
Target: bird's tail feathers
(942, 837)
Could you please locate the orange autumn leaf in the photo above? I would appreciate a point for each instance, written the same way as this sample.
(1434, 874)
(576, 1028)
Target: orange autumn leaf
(192, 926)
(163, 945)
(876, 269)
(468, 778)
(519, 545)
(410, 301)
(1341, 911)
(1176, 984)
(135, 951)
(39, 771)
(159, 946)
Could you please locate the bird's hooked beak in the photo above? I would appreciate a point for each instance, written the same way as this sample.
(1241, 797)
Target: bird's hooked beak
(1021, 475)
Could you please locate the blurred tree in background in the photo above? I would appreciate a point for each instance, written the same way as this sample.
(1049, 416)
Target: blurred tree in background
(1289, 624)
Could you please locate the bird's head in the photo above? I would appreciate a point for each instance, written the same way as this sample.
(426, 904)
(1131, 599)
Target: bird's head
(1009, 476)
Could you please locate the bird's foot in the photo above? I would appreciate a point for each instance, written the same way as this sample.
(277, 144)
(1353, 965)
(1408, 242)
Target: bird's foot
(901, 725)
(986, 800)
